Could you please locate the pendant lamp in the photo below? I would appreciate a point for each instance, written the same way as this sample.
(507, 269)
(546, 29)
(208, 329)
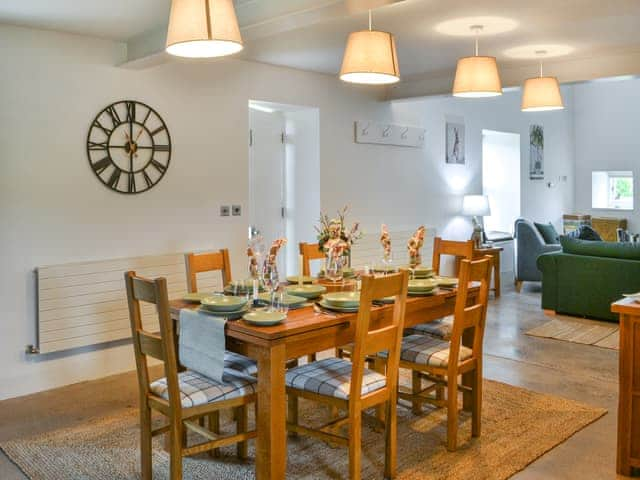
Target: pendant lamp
(477, 76)
(370, 58)
(541, 94)
(203, 29)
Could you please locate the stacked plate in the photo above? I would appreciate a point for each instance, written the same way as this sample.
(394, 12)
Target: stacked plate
(224, 306)
(306, 290)
(422, 287)
(291, 301)
(196, 297)
(384, 269)
(305, 279)
(421, 272)
(447, 282)
(264, 319)
(341, 301)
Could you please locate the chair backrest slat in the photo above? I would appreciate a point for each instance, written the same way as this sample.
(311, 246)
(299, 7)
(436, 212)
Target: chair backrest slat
(384, 337)
(309, 251)
(207, 262)
(151, 345)
(470, 315)
(460, 250)
(148, 344)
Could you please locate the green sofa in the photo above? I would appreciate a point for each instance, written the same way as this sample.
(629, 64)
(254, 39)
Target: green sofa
(586, 277)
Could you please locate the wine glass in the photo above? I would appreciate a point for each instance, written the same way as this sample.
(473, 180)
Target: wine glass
(271, 281)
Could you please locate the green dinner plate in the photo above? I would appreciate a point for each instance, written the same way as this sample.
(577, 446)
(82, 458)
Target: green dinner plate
(336, 308)
(342, 299)
(234, 315)
(305, 279)
(264, 318)
(196, 297)
(422, 284)
(289, 300)
(223, 303)
(422, 293)
(447, 281)
(385, 269)
(306, 290)
(386, 300)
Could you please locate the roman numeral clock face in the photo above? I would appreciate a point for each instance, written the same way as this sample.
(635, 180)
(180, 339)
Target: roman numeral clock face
(129, 147)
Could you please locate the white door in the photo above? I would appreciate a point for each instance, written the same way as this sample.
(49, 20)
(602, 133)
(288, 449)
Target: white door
(266, 177)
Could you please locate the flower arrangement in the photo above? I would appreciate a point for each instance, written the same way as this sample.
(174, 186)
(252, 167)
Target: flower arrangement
(414, 245)
(333, 234)
(275, 248)
(385, 240)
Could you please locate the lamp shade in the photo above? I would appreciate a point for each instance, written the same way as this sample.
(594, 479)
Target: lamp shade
(476, 205)
(203, 28)
(540, 94)
(477, 77)
(370, 58)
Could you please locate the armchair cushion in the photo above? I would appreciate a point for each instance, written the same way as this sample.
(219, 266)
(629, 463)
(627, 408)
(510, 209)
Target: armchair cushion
(548, 232)
(625, 251)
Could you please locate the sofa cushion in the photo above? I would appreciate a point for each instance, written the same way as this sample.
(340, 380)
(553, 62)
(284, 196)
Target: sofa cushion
(626, 251)
(548, 232)
(585, 232)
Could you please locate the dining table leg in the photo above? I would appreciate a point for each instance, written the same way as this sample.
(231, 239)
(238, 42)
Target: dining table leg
(271, 442)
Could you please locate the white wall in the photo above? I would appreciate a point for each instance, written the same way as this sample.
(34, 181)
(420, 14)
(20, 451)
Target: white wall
(442, 185)
(607, 116)
(53, 210)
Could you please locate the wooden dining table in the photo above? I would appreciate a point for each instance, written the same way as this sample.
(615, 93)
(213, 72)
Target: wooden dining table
(304, 332)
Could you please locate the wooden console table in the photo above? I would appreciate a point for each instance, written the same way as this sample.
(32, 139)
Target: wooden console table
(628, 459)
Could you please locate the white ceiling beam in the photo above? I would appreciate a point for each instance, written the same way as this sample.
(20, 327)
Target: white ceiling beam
(147, 50)
(568, 70)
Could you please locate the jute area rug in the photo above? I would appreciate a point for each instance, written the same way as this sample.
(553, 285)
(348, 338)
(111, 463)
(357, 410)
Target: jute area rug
(518, 427)
(579, 330)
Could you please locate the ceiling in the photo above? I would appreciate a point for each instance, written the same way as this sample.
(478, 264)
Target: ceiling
(298, 38)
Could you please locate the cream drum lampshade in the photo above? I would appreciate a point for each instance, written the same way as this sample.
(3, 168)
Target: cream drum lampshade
(370, 58)
(477, 77)
(541, 94)
(203, 28)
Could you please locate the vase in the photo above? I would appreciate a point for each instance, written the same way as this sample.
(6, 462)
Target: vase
(334, 267)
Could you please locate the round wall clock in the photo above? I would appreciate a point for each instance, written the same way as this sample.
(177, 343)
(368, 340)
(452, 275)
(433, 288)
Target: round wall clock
(129, 147)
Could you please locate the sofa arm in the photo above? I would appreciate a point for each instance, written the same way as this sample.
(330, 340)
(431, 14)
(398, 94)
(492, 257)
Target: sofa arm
(547, 263)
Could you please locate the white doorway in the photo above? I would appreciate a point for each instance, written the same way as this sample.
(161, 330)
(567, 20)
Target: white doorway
(284, 175)
(501, 179)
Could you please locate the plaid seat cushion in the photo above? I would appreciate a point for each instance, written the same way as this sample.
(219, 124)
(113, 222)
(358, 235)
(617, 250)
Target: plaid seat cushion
(428, 350)
(240, 363)
(332, 377)
(196, 389)
(441, 328)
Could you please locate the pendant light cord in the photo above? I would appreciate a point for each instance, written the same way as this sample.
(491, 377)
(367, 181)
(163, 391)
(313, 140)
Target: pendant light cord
(476, 29)
(370, 23)
(541, 54)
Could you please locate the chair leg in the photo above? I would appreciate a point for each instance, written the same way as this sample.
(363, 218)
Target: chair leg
(440, 391)
(292, 412)
(452, 413)
(476, 409)
(391, 435)
(380, 366)
(214, 426)
(416, 387)
(519, 286)
(355, 445)
(175, 449)
(145, 443)
(242, 422)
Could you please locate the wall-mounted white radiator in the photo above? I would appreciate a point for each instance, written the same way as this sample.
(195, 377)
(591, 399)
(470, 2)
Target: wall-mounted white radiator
(82, 304)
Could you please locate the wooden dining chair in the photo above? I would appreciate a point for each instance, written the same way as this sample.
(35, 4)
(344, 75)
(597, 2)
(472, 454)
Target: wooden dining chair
(184, 398)
(441, 362)
(309, 252)
(350, 386)
(207, 262)
(442, 328)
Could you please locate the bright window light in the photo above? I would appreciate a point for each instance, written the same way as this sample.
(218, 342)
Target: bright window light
(612, 190)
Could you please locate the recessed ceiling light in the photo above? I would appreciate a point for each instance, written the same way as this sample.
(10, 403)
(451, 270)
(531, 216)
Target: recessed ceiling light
(490, 26)
(529, 51)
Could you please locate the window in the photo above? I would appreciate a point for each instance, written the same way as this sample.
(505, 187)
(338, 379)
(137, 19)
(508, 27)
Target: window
(612, 190)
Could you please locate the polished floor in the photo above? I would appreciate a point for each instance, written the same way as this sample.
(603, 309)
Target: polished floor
(580, 372)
